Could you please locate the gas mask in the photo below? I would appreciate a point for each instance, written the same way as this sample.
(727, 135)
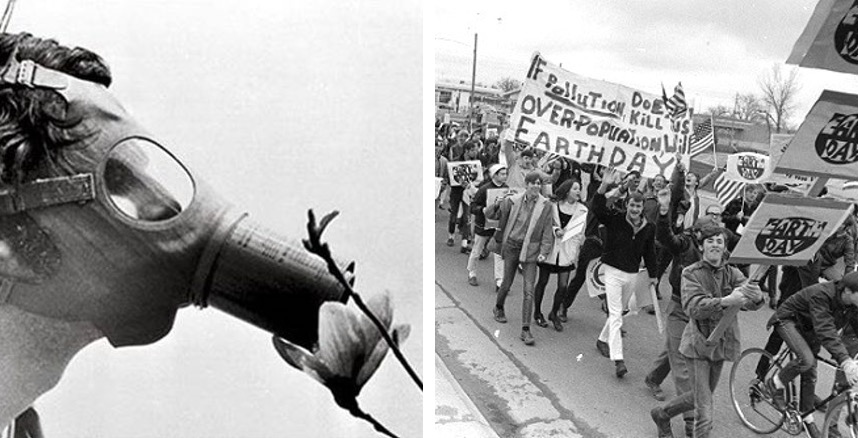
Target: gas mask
(114, 230)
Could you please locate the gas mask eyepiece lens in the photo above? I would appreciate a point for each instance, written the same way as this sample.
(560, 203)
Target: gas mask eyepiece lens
(145, 182)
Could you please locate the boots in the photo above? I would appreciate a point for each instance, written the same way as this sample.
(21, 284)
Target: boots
(662, 422)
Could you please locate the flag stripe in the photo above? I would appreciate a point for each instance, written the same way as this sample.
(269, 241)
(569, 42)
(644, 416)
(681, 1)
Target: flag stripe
(703, 138)
(727, 190)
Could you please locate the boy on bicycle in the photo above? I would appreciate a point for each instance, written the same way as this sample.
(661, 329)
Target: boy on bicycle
(810, 319)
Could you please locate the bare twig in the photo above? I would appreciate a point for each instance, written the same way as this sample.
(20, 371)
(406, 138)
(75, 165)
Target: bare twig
(314, 245)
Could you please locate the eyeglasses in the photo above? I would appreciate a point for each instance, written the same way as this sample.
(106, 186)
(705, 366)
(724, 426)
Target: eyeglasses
(713, 213)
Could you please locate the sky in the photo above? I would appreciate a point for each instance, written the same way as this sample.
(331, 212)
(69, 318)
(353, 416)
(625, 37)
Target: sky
(282, 107)
(716, 49)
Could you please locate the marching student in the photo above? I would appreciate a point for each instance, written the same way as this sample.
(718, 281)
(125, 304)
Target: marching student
(482, 234)
(570, 214)
(705, 298)
(628, 239)
(527, 225)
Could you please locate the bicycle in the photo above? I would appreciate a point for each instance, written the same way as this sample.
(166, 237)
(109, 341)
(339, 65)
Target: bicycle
(755, 407)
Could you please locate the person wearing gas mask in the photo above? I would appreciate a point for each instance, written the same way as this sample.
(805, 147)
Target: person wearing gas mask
(104, 233)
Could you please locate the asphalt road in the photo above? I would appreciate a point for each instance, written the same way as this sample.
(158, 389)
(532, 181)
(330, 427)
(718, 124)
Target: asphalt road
(560, 386)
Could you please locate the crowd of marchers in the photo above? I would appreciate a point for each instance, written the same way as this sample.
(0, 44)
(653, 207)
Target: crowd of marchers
(548, 223)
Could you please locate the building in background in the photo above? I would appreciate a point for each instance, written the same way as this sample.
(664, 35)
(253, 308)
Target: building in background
(491, 105)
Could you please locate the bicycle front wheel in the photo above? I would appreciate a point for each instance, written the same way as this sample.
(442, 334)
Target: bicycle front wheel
(840, 421)
(751, 400)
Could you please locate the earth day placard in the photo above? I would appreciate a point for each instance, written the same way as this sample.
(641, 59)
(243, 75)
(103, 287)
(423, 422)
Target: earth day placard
(826, 144)
(830, 40)
(748, 167)
(789, 230)
(597, 122)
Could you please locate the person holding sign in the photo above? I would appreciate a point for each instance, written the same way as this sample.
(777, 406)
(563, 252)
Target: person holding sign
(482, 232)
(684, 247)
(704, 284)
(807, 321)
(458, 201)
(628, 238)
(526, 223)
(571, 216)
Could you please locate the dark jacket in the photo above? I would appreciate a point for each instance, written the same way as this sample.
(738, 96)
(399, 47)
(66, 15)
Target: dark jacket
(796, 278)
(836, 246)
(731, 212)
(623, 248)
(819, 310)
(477, 205)
(684, 249)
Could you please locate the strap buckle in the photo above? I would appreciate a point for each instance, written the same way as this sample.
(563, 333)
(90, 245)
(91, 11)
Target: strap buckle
(26, 73)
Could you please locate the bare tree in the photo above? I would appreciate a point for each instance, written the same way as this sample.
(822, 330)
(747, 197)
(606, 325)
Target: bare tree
(748, 107)
(780, 91)
(508, 84)
(718, 111)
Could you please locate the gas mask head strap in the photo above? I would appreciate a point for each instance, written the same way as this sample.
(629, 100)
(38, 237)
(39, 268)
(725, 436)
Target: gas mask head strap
(31, 75)
(43, 192)
(46, 192)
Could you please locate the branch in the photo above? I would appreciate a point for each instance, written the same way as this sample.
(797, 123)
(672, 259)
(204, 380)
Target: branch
(357, 412)
(314, 245)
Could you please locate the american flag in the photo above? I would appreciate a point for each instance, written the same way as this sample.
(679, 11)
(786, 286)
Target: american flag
(676, 105)
(703, 138)
(727, 190)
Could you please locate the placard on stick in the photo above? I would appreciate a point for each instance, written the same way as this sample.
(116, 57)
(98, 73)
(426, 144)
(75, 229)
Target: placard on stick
(826, 144)
(788, 230)
(463, 173)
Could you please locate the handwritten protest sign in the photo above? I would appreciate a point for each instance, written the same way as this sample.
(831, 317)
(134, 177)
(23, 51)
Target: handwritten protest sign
(789, 230)
(826, 144)
(830, 40)
(492, 196)
(597, 122)
(463, 173)
(748, 167)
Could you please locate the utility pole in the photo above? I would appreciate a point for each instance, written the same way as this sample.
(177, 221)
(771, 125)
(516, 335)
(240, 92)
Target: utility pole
(473, 80)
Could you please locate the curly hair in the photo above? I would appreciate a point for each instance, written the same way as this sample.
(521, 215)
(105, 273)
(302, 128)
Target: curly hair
(34, 123)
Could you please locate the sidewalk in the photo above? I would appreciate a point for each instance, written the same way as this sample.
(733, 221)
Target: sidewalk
(455, 413)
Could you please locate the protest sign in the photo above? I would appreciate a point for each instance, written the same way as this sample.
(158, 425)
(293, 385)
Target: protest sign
(438, 186)
(635, 296)
(492, 196)
(778, 143)
(595, 278)
(788, 230)
(826, 144)
(748, 167)
(597, 122)
(463, 173)
(830, 40)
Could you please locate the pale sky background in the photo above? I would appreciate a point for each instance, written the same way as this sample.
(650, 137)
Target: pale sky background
(281, 106)
(715, 48)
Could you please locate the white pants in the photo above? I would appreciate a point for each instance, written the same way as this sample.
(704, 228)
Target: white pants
(479, 244)
(615, 281)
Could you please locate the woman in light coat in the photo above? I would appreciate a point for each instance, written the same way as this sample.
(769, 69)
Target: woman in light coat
(571, 216)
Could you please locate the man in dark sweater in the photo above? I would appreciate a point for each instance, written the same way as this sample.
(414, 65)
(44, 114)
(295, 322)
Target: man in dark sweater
(628, 238)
